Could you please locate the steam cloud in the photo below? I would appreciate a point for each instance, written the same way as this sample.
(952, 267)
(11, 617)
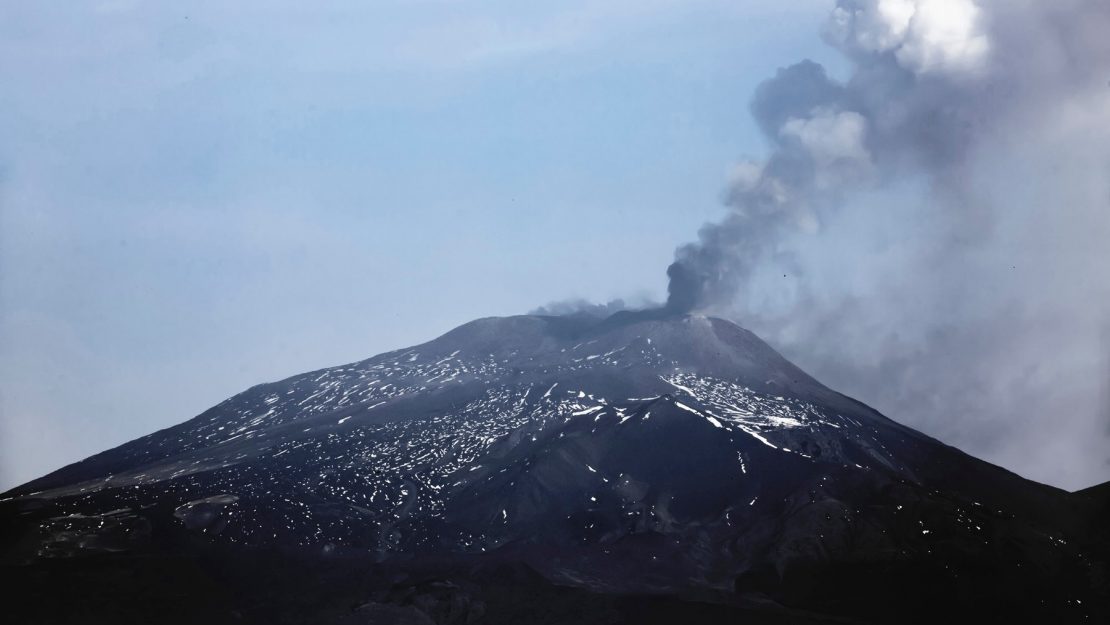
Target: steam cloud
(932, 79)
(931, 234)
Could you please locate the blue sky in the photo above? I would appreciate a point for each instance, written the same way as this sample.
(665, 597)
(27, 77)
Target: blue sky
(195, 200)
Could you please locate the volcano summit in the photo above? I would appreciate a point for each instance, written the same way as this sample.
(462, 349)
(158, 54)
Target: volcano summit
(644, 467)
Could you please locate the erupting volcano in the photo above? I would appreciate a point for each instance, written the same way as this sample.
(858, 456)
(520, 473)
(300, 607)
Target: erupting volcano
(645, 465)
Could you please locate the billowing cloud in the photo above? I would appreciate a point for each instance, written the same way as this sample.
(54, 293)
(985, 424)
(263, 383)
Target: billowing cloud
(921, 234)
(925, 36)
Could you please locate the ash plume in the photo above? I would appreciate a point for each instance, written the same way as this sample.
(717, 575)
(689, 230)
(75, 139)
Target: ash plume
(928, 233)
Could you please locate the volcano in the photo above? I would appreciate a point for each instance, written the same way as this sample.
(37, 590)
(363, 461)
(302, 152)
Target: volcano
(646, 467)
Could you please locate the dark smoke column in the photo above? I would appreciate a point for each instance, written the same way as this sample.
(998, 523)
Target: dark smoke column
(685, 289)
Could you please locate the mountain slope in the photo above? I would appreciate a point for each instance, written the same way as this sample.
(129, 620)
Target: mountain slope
(643, 454)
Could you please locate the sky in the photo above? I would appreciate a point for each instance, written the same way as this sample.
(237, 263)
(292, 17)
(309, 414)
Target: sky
(194, 200)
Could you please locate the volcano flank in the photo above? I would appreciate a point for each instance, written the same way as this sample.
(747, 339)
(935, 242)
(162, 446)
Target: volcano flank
(646, 467)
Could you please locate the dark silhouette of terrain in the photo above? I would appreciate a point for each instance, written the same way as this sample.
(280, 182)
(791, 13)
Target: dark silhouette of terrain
(650, 467)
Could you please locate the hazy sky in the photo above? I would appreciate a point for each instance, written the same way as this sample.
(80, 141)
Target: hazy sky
(195, 200)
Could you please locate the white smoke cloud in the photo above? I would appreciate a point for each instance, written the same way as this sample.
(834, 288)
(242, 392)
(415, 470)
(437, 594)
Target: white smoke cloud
(943, 36)
(834, 142)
